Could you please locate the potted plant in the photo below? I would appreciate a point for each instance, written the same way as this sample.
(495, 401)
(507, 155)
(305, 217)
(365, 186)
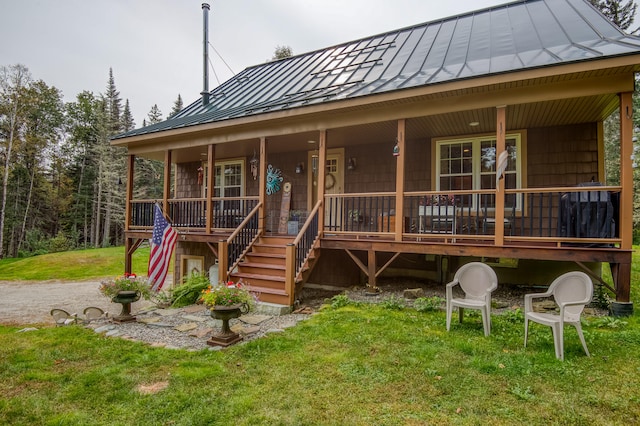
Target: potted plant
(125, 290)
(226, 301)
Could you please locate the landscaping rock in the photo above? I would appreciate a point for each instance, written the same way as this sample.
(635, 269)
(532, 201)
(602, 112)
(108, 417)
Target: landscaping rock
(413, 293)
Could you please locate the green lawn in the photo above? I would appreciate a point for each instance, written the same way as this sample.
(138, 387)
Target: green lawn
(348, 365)
(73, 265)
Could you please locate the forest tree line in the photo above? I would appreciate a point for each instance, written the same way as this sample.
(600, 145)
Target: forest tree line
(62, 181)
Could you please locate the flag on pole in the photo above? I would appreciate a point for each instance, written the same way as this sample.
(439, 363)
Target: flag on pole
(162, 243)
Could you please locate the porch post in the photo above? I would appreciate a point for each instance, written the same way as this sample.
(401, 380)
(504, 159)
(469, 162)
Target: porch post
(501, 146)
(211, 164)
(127, 213)
(622, 277)
(130, 173)
(322, 172)
(626, 170)
(167, 183)
(400, 180)
(262, 185)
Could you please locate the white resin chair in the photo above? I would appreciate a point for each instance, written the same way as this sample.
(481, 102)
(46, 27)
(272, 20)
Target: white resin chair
(571, 292)
(477, 281)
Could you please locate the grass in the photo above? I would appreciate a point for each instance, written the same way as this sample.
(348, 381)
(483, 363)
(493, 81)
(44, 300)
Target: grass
(73, 265)
(350, 364)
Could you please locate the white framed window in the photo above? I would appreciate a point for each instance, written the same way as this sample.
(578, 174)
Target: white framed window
(470, 163)
(228, 179)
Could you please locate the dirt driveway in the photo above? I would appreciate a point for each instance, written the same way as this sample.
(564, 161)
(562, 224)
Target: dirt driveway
(31, 302)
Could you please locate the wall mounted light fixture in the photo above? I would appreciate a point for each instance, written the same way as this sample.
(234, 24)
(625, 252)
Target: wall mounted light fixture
(396, 149)
(351, 163)
(300, 168)
(254, 165)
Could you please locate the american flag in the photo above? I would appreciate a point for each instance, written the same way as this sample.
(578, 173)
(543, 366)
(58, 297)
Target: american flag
(162, 243)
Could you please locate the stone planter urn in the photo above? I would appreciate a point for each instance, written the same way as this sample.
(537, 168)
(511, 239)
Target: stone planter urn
(126, 298)
(226, 337)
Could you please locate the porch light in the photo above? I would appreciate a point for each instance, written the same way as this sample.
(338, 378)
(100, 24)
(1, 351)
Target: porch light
(299, 168)
(254, 165)
(396, 149)
(474, 123)
(351, 164)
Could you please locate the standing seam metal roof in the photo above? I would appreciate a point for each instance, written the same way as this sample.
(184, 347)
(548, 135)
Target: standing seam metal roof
(515, 36)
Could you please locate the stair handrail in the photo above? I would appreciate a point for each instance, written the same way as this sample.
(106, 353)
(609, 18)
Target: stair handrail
(241, 240)
(306, 238)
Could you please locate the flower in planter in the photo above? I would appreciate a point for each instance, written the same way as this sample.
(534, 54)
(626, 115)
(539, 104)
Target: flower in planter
(128, 282)
(228, 294)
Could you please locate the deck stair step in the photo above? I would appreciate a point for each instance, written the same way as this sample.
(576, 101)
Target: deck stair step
(263, 269)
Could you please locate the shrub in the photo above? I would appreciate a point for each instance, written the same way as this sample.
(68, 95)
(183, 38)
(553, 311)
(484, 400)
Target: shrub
(190, 291)
(339, 301)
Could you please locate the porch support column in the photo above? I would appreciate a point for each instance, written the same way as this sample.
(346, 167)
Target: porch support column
(501, 146)
(211, 166)
(322, 172)
(131, 161)
(262, 185)
(400, 179)
(371, 266)
(626, 170)
(622, 277)
(167, 183)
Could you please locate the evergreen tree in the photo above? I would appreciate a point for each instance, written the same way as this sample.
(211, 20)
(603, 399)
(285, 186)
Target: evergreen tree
(177, 106)
(113, 106)
(81, 151)
(127, 118)
(155, 115)
(282, 52)
(620, 12)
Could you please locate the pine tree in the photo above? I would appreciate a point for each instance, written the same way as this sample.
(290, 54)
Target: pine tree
(127, 118)
(177, 106)
(620, 12)
(155, 115)
(113, 106)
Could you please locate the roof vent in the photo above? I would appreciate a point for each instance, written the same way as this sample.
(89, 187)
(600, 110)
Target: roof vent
(205, 58)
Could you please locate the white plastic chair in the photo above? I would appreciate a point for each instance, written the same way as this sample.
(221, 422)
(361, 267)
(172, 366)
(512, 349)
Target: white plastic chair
(571, 292)
(477, 280)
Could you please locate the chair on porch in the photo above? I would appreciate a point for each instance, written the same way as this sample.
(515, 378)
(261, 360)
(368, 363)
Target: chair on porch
(571, 292)
(478, 281)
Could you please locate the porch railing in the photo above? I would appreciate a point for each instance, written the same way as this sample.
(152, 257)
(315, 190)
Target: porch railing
(582, 215)
(228, 212)
(359, 213)
(307, 237)
(231, 250)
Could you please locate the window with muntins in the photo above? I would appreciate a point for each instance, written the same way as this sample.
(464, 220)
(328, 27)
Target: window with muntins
(470, 164)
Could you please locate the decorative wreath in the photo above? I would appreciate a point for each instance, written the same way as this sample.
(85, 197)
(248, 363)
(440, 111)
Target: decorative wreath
(329, 181)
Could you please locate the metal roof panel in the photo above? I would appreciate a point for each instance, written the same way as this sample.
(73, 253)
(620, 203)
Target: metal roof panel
(516, 36)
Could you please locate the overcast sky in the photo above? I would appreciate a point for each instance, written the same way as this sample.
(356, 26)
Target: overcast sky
(155, 46)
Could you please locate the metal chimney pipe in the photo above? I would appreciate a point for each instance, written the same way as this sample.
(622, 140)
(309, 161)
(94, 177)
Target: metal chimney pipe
(205, 58)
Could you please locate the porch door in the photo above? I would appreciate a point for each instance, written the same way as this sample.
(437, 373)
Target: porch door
(334, 184)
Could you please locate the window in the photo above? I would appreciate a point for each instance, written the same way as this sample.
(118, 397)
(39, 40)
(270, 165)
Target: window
(470, 163)
(228, 180)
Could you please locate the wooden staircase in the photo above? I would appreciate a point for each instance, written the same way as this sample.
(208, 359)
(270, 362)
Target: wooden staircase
(263, 269)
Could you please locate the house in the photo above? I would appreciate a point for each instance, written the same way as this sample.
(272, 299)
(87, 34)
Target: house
(410, 152)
